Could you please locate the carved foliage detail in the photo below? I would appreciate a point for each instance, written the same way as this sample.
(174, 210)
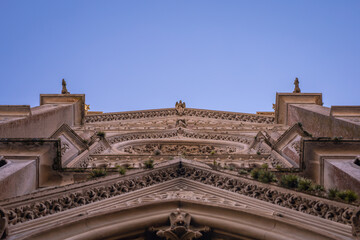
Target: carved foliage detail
(82, 197)
(156, 148)
(182, 111)
(183, 133)
(237, 185)
(287, 200)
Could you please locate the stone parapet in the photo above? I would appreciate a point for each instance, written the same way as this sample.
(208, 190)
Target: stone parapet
(283, 100)
(76, 100)
(15, 111)
(325, 122)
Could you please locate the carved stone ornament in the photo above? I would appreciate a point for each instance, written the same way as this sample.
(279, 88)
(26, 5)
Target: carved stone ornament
(180, 107)
(64, 89)
(180, 228)
(296, 88)
(181, 123)
(79, 197)
(241, 117)
(174, 149)
(3, 224)
(64, 148)
(355, 222)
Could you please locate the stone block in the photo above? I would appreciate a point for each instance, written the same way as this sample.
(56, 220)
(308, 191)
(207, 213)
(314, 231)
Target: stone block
(15, 110)
(315, 151)
(284, 99)
(77, 100)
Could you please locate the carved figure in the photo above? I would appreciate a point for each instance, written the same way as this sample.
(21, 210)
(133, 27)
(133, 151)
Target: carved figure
(180, 228)
(297, 88)
(87, 107)
(3, 224)
(180, 107)
(64, 90)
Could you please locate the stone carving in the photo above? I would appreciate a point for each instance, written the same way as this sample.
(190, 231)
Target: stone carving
(87, 107)
(229, 116)
(296, 146)
(180, 228)
(309, 205)
(276, 162)
(184, 111)
(61, 203)
(3, 224)
(64, 148)
(175, 149)
(180, 108)
(181, 123)
(355, 223)
(64, 89)
(288, 200)
(171, 134)
(84, 162)
(296, 88)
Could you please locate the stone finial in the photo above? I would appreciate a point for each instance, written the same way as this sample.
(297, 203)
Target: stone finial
(64, 90)
(297, 88)
(180, 107)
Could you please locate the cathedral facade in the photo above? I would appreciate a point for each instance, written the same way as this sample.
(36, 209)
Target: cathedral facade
(179, 173)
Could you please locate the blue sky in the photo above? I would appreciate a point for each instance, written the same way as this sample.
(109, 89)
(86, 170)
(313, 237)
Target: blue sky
(222, 55)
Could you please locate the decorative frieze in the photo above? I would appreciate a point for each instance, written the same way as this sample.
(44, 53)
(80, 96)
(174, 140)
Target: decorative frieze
(78, 197)
(178, 148)
(180, 111)
(178, 133)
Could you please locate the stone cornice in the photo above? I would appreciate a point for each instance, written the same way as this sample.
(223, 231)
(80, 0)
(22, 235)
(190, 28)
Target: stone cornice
(181, 192)
(165, 112)
(51, 201)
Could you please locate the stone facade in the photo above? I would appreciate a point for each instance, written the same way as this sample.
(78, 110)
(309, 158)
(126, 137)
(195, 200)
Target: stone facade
(179, 173)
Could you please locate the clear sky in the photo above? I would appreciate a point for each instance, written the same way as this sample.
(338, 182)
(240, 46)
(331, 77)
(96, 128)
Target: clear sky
(221, 55)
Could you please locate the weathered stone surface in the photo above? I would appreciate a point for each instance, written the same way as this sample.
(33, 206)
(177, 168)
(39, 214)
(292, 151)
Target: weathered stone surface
(318, 121)
(176, 158)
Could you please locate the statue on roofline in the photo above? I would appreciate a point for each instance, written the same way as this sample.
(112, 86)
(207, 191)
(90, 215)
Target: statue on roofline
(180, 107)
(64, 90)
(297, 88)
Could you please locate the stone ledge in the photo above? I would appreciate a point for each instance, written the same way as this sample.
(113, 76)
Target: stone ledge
(15, 111)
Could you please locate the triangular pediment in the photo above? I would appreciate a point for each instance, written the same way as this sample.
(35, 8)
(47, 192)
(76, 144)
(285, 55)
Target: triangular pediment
(178, 181)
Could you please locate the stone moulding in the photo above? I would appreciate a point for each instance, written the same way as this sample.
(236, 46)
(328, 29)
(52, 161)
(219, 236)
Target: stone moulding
(83, 161)
(179, 133)
(254, 118)
(47, 202)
